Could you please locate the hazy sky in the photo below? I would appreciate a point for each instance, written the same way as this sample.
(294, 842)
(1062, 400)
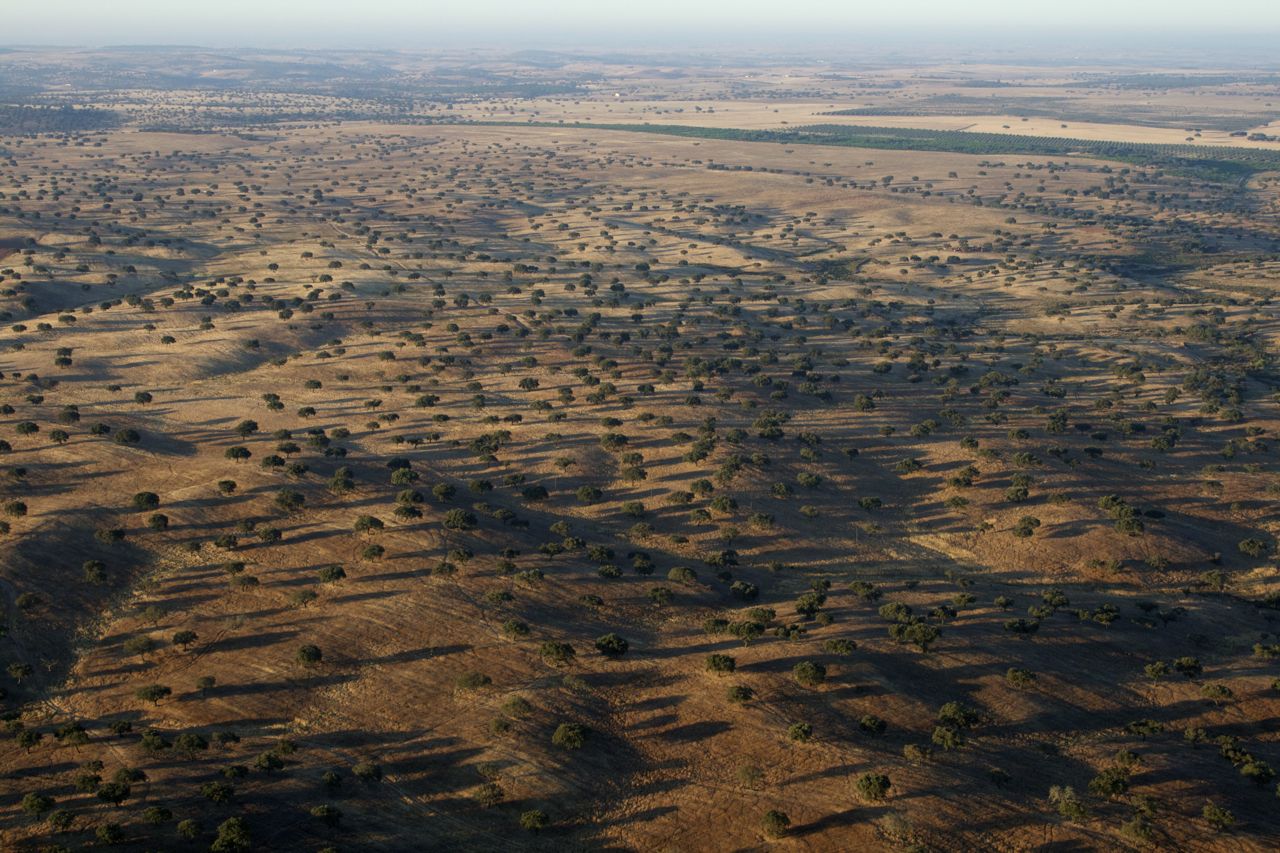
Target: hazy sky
(405, 23)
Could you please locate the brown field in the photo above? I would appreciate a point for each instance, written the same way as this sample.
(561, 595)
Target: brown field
(966, 462)
(768, 114)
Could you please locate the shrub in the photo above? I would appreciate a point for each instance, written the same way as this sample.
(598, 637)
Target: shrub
(1218, 694)
(840, 646)
(367, 771)
(189, 743)
(1020, 678)
(473, 680)
(775, 823)
(871, 724)
(809, 673)
(1026, 526)
(570, 735)
(1138, 830)
(515, 629)
(156, 815)
(1252, 547)
(721, 664)
(109, 834)
(459, 519)
(957, 714)
(95, 571)
(557, 653)
(367, 524)
(233, 837)
(948, 737)
(920, 634)
(1111, 782)
(37, 805)
(1188, 666)
(873, 786)
(1068, 804)
(114, 792)
(309, 654)
(1217, 817)
(1258, 772)
(800, 732)
(289, 500)
(152, 693)
(682, 574)
(328, 815)
(332, 574)
(611, 645)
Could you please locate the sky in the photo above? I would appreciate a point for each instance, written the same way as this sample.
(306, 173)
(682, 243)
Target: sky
(433, 23)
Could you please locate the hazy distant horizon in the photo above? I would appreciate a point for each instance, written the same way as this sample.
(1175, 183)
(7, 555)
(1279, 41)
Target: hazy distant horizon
(1026, 48)
(991, 25)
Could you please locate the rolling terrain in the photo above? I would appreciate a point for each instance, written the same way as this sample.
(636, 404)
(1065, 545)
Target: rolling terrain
(454, 476)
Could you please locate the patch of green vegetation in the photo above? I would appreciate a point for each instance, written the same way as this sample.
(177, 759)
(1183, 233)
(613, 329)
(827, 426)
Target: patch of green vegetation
(1222, 165)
